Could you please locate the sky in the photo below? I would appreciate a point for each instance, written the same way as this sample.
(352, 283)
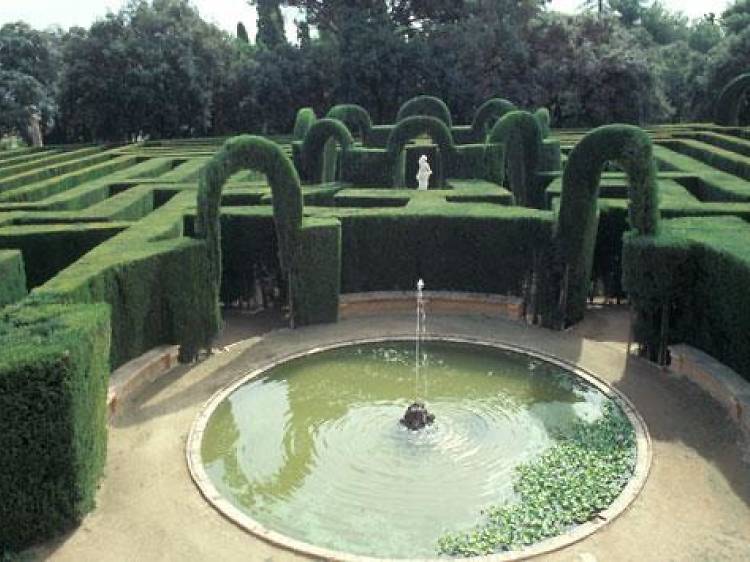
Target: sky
(226, 13)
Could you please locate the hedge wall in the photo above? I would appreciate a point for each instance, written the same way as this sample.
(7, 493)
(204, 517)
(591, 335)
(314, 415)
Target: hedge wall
(12, 277)
(429, 106)
(630, 148)
(316, 282)
(730, 100)
(695, 275)
(53, 387)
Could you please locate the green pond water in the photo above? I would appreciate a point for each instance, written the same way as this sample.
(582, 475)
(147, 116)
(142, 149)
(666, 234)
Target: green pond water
(314, 449)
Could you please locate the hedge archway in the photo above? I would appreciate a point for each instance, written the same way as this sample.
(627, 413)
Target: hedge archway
(544, 119)
(730, 101)
(427, 106)
(519, 135)
(412, 127)
(254, 153)
(355, 117)
(488, 114)
(631, 149)
(313, 147)
(302, 123)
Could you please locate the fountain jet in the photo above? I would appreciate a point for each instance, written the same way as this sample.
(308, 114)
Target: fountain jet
(416, 416)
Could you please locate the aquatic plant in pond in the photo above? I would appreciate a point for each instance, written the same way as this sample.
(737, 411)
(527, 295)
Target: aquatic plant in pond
(572, 482)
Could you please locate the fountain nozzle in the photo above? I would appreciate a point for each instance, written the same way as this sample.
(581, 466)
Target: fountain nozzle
(417, 417)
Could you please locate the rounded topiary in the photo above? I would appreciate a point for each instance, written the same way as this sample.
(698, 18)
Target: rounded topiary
(544, 119)
(254, 153)
(355, 117)
(730, 101)
(302, 123)
(426, 106)
(412, 127)
(631, 149)
(519, 135)
(488, 114)
(315, 141)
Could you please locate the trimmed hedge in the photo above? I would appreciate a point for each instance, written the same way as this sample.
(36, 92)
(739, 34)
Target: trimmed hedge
(302, 123)
(53, 434)
(12, 277)
(543, 118)
(695, 275)
(316, 282)
(355, 117)
(519, 134)
(260, 154)
(630, 148)
(730, 99)
(314, 145)
(408, 129)
(428, 106)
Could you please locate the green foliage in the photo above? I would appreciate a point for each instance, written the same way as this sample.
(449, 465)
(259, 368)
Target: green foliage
(317, 277)
(53, 434)
(629, 147)
(568, 485)
(12, 277)
(698, 270)
(242, 33)
(305, 119)
(730, 100)
(355, 117)
(411, 127)
(544, 119)
(520, 135)
(487, 115)
(315, 141)
(425, 106)
(270, 24)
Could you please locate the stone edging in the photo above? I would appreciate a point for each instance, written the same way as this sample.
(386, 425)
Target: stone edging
(718, 380)
(239, 518)
(135, 374)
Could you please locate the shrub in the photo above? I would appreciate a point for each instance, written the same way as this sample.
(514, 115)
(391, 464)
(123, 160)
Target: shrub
(730, 100)
(630, 148)
(12, 277)
(429, 106)
(313, 147)
(520, 136)
(355, 117)
(302, 123)
(53, 434)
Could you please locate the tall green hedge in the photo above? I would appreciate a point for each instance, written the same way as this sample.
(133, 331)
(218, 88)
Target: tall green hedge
(521, 137)
(313, 147)
(694, 275)
(487, 115)
(316, 283)
(12, 277)
(302, 123)
(730, 100)
(429, 106)
(630, 148)
(355, 117)
(54, 372)
(410, 128)
(257, 153)
(543, 118)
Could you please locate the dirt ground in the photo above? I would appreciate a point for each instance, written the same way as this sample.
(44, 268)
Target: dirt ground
(695, 506)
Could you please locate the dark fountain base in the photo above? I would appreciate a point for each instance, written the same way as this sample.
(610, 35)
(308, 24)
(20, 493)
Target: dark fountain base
(417, 417)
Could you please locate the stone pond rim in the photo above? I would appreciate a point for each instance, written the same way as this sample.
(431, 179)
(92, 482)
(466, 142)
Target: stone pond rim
(578, 533)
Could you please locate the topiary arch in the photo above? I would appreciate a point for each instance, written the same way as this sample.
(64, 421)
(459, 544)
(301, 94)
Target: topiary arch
(426, 106)
(487, 115)
(730, 101)
(315, 142)
(520, 137)
(412, 127)
(302, 123)
(544, 119)
(254, 153)
(630, 147)
(355, 117)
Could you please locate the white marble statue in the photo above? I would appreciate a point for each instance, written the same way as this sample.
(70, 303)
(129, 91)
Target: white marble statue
(424, 173)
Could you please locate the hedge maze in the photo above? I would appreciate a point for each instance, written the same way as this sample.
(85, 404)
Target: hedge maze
(106, 252)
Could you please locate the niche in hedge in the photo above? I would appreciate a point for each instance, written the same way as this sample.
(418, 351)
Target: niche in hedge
(443, 154)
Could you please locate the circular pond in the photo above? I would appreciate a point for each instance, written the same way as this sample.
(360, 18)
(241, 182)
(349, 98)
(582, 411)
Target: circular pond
(309, 452)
